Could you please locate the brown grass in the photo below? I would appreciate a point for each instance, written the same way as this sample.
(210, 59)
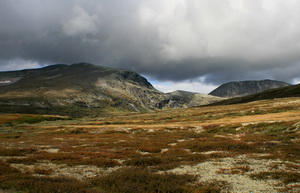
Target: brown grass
(159, 140)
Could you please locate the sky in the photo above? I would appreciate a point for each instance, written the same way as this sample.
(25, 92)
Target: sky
(193, 45)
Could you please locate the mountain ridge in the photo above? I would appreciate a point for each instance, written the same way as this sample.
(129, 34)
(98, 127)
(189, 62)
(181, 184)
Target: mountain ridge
(243, 88)
(82, 88)
(284, 92)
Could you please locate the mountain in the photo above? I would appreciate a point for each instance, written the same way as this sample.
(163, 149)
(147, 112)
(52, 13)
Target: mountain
(284, 92)
(243, 88)
(74, 88)
(80, 89)
(181, 98)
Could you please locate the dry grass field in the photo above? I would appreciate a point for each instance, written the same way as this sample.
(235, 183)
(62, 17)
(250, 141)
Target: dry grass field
(252, 147)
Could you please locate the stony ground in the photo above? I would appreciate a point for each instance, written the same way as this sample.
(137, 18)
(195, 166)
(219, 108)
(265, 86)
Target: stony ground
(251, 147)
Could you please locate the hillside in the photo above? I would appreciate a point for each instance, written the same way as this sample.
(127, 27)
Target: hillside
(80, 89)
(179, 98)
(243, 88)
(288, 91)
(71, 88)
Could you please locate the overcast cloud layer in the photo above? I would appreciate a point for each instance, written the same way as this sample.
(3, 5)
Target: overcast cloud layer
(208, 41)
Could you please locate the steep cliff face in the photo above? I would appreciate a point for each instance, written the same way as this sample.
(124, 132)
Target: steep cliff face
(82, 88)
(243, 88)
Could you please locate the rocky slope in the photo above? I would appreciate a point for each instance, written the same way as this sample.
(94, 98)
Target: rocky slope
(180, 98)
(243, 88)
(80, 89)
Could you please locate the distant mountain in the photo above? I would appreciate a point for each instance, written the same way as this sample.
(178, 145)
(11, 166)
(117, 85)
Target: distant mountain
(180, 98)
(243, 88)
(80, 89)
(284, 92)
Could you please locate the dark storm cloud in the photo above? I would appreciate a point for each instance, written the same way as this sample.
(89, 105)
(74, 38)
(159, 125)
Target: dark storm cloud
(218, 40)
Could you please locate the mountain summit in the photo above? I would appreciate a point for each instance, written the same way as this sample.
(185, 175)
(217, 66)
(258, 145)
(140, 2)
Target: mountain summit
(81, 88)
(243, 88)
(75, 87)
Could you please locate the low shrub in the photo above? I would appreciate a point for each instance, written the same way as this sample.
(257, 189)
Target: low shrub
(235, 170)
(218, 129)
(13, 179)
(28, 160)
(144, 161)
(35, 119)
(219, 144)
(16, 151)
(143, 181)
(100, 162)
(6, 169)
(43, 171)
(285, 177)
(150, 149)
(60, 158)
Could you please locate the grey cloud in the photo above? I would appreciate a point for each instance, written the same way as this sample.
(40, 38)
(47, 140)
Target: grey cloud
(218, 40)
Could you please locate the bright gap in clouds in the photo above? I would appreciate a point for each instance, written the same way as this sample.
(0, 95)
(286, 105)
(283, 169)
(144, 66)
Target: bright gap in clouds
(296, 81)
(18, 64)
(191, 86)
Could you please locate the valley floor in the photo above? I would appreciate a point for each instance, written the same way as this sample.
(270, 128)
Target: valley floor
(252, 147)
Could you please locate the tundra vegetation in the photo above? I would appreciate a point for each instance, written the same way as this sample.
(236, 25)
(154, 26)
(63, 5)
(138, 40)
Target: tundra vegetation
(251, 147)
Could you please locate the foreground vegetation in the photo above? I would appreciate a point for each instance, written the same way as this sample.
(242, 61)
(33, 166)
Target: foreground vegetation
(235, 148)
